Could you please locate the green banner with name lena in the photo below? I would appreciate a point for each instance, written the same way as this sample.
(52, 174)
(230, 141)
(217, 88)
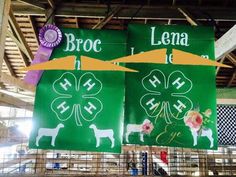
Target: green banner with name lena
(77, 110)
(166, 104)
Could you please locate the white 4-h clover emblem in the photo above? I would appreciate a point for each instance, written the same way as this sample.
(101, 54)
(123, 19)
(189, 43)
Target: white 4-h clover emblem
(166, 98)
(77, 97)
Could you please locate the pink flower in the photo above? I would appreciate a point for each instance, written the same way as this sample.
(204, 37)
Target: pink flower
(147, 128)
(193, 119)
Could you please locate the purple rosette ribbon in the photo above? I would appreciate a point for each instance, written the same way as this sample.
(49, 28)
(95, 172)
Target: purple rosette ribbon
(50, 36)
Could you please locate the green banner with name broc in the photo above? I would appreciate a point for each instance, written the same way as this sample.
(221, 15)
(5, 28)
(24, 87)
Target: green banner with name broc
(167, 104)
(78, 110)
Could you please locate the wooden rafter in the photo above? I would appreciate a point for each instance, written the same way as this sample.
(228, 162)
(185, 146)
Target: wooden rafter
(18, 43)
(11, 100)
(27, 97)
(22, 49)
(2, 86)
(127, 11)
(8, 65)
(104, 21)
(33, 3)
(189, 17)
(218, 68)
(231, 57)
(24, 58)
(50, 16)
(232, 79)
(4, 10)
(173, 2)
(16, 82)
(51, 3)
(35, 30)
(77, 22)
(19, 35)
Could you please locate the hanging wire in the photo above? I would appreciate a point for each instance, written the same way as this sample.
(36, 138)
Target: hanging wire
(142, 3)
(108, 2)
(212, 21)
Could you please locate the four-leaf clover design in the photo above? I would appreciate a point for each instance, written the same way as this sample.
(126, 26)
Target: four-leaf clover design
(166, 98)
(77, 97)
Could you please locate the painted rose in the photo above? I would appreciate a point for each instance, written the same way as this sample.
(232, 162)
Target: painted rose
(193, 119)
(147, 128)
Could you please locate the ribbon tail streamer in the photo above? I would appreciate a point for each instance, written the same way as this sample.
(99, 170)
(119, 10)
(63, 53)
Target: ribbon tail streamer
(88, 63)
(42, 55)
(185, 58)
(65, 63)
(153, 56)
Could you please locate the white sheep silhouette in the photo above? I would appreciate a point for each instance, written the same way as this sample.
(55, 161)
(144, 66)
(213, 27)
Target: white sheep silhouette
(53, 132)
(205, 132)
(108, 133)
(135, 128)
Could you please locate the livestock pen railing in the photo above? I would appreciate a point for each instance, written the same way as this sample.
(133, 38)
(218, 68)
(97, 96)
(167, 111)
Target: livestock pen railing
(134, 160)
(16, 159)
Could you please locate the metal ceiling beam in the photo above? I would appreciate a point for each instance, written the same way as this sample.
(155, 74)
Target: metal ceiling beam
(127, 11)
(226, 101)
(226, 43)
(33, 3)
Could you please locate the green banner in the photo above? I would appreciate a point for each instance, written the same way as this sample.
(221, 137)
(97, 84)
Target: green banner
(76, 110)
(166, 104)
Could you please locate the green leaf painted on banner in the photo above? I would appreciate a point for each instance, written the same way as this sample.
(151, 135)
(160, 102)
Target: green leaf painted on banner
(166, 94)
(77, 96)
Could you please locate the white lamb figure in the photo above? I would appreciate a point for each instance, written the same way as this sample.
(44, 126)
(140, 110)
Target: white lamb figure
(108, 133)
(205, 132)
(53, 132)
(135, 128)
